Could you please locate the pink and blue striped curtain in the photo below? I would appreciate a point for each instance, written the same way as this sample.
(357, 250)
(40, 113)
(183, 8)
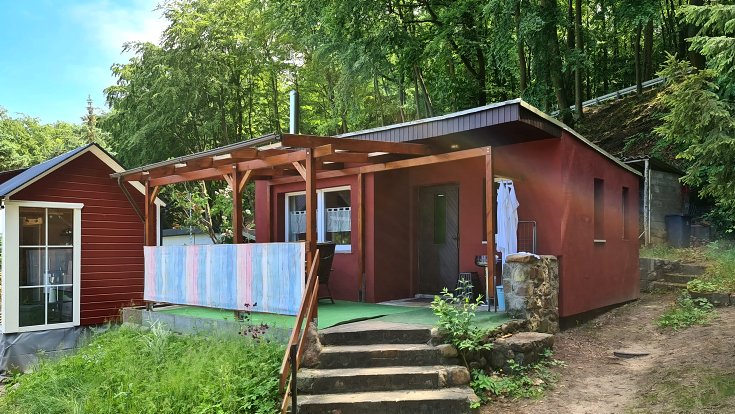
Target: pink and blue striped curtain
(269, 277)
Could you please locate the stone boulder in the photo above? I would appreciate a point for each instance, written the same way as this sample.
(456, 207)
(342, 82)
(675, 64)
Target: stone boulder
(525, 348)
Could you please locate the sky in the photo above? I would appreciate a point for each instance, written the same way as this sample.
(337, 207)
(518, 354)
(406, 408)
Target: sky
(55, 53)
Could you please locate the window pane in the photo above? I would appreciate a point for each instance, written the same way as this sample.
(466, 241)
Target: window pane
(338, 223)
(440, 219)
(60, 266)
(32, 266)
(31, 308)
(60, 227)
(32, 227)
(60, 304)
(296, 218)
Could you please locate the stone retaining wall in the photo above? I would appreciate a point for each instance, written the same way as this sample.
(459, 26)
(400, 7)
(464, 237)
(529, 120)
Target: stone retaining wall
(654, 270)
(531, 286)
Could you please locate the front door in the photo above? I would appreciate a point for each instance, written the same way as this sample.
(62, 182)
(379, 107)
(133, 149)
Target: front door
(438, 238)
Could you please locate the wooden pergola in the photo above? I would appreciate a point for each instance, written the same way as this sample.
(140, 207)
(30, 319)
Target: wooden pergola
(306, 158)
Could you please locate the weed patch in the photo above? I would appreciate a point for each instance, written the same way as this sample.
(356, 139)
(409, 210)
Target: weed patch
(521, 382)
(686, 312)
(130, 370)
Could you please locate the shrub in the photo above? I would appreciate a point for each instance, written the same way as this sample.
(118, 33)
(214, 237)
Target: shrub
(456, 313)
(686, 312)
(130, 370)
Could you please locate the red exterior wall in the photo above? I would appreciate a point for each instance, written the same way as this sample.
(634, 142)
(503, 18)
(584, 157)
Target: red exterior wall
(554, 181)
(112, 235)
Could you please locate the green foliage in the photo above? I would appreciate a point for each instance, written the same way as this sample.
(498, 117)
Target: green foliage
(25, 141)
(521, 382)
(702, 286)
(456, 313)
(128, 370)
(686, 312)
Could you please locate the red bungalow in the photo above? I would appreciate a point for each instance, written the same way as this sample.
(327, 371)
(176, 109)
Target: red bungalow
(71, 243)
(402, 232)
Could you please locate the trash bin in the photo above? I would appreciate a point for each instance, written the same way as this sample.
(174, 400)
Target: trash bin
(500, 297)
(678, 230)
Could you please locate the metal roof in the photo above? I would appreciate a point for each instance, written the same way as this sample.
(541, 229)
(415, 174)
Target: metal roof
(13, 184)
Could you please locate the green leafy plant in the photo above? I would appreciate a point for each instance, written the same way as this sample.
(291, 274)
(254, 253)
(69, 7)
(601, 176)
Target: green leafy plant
(686, 312)
(702, 286)
(456, 313)
(521, 382)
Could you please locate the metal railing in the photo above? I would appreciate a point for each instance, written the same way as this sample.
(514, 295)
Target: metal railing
(295, 347)
(526, 236)
(616, 95)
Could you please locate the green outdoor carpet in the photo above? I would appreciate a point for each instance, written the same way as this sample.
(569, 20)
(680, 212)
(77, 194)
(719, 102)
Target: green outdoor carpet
(329, 314)
(425, 316)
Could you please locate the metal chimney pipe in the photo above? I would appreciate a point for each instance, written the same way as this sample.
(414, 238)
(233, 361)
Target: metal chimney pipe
(295, 118)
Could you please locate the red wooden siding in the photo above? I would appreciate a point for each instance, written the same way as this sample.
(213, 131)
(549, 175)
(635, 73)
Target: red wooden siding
(112, 235)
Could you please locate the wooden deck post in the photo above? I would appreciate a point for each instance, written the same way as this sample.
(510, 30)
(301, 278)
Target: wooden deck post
(490, 224)
(150, 232)
(311, 236)
(234, 182)
(360, 239)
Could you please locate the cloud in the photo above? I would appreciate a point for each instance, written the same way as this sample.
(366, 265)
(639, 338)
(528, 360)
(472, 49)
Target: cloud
(113, 23)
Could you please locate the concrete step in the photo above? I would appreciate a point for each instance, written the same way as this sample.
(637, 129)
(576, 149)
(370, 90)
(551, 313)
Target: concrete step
(374, 332)
(447, 400)
(656, 285)
(389, 355)
(678, 278)
(349, 380)
(691, 269)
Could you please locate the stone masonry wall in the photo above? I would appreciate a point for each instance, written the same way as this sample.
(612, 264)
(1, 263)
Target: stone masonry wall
(666, 198)
(653, 270)
(531, 287)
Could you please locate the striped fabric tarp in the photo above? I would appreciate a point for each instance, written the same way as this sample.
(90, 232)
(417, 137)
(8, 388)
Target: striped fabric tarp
(269, 277)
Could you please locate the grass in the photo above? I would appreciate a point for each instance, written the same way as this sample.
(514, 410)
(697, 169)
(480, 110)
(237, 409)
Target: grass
(704, 390)
(130, 370)
(719, 257)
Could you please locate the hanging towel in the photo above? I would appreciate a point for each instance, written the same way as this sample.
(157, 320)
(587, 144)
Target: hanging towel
(507, 217)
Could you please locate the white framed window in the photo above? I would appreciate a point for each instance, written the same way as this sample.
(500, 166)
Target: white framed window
(41, 266)
(333, 217)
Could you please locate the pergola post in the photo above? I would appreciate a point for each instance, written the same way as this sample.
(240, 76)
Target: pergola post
(236, 206)
(150, 232)
(311, 201)
(490, 225)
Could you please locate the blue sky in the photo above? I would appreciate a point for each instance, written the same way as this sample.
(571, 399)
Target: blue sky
(54, 53)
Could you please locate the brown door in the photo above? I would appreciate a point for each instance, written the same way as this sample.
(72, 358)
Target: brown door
(438, 243)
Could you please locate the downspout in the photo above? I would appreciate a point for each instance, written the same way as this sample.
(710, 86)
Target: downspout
(130, 198)
(646, 204)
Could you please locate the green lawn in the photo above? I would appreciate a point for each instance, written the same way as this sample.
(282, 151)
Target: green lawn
(130, 370)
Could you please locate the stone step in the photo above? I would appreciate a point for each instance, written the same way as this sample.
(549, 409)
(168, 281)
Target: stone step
(657, 285)
(691, 269)
(350, 380)
(373, 333)
(389, 355)
(446, 400)
(678, 278)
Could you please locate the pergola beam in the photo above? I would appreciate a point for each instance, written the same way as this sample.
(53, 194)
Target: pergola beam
(354, 145)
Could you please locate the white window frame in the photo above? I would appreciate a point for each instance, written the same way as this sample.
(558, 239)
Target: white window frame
(321, 225)
(11, 260)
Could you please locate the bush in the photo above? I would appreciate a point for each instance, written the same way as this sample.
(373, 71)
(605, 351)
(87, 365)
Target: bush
(456, 314)
(130, 370)
(686, 312)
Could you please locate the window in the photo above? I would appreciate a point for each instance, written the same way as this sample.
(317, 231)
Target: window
(625, 212)
(599, 210)
(334, 220)
(46, 294)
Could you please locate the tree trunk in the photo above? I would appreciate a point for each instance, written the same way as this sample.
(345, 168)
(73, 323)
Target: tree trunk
(553, 56)
(605, 77)
(521, 49)
(578, 67)
(637, 60)
(570, 24)
(648, 50)
(695, 58)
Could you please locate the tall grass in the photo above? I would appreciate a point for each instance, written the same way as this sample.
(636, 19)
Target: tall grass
(129, 370)
(719, 256)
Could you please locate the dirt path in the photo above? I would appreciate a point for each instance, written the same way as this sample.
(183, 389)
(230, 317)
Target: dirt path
(691, 371)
